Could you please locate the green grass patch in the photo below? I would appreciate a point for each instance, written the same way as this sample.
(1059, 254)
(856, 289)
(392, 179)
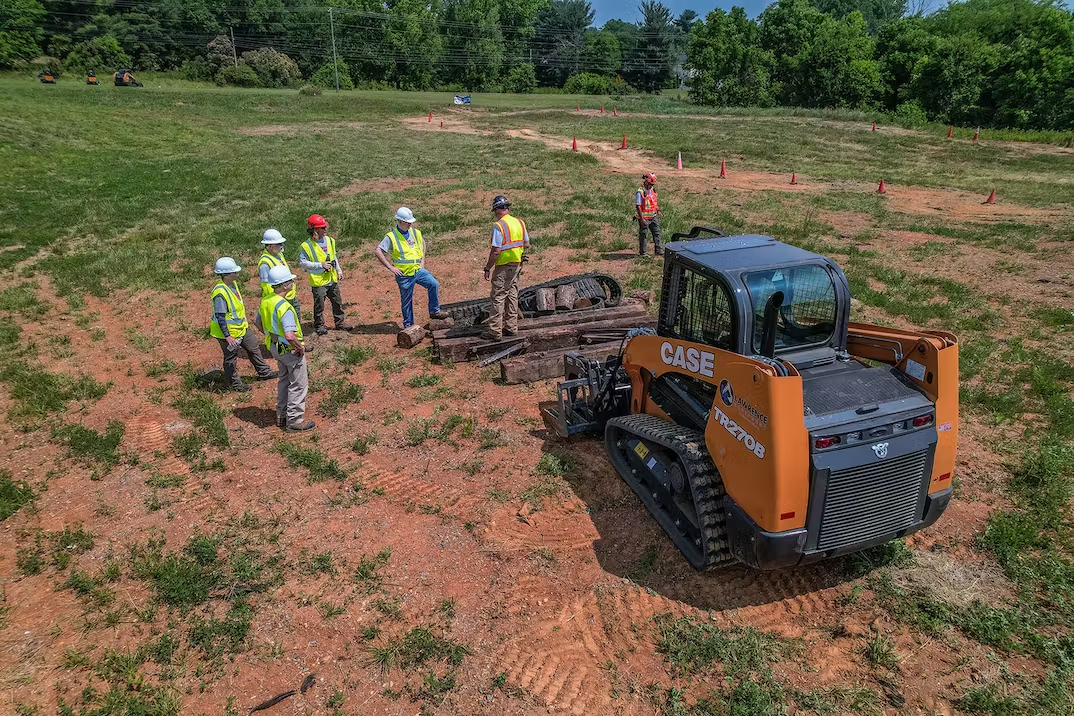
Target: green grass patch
(340, 395)
(226, 635)
(417, 647)
(14, 495)
(691, 647)
(318, 466)
(205, 414)
(367, 573)
(39, 393)
(354, 355)
(422, 380)
(91, 448)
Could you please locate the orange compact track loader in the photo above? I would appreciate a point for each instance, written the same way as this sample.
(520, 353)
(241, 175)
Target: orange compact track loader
(758, 423)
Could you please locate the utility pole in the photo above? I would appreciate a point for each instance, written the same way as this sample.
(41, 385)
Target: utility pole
(234, 50)
(335, 64)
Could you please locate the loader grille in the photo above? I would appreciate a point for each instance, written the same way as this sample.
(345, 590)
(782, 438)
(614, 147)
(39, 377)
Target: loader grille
(872, 500)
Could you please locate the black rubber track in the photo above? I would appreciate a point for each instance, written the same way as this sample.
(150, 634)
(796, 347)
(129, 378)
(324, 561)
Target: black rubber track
(598, 286)
(705, 484)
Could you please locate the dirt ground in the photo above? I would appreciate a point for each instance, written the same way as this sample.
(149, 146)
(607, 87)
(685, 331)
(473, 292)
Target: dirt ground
(557, 596)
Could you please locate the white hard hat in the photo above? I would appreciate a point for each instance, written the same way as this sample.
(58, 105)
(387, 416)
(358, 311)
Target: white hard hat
(272, 236)
(226, 265)
(279, 274)
(405, 214)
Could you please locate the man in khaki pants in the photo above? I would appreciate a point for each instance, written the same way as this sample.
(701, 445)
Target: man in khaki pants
(509, 239)
(283, 337)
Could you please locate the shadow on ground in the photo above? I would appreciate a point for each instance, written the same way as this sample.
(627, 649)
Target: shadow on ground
(632, 545)
(261, 417)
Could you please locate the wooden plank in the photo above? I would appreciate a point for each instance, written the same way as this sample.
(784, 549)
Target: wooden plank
(549, 364)
(627, 308)
(460, 349)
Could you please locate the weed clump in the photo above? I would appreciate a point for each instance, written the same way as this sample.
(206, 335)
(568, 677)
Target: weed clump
(13, 495)
(320, 468)
(417, 647)
(90, 447)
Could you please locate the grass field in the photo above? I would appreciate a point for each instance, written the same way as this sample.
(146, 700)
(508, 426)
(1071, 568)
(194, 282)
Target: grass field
(431, 548)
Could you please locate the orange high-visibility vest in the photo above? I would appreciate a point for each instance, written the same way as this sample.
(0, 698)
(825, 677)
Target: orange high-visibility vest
(513, 231)
(648, 203)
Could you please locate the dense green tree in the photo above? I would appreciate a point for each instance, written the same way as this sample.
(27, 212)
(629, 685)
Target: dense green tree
(686, 20)
(473, 43)
(727, 67)
(101, 54)
(900, 49)
(21, 30)
(561, 35)
(877, 13)
(649, 67)
(602, 53)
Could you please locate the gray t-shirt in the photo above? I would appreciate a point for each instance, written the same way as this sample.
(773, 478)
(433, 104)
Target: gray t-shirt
(386, 243)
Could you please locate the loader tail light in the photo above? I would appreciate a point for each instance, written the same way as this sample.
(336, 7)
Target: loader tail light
(945, 476)
(821, 443)
(786, 515)
(922, 420)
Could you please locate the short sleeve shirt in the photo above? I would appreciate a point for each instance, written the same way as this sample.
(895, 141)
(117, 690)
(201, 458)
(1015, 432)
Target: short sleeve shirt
(288, 321)
(386, 242)
(497, 235)
(637, 198)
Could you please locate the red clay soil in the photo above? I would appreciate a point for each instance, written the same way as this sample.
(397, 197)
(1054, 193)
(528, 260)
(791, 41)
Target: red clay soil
(556, 594)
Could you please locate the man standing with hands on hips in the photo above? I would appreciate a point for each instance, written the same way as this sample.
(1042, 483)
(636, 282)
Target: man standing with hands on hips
(402, 251)
(509, 240)
(318, 257)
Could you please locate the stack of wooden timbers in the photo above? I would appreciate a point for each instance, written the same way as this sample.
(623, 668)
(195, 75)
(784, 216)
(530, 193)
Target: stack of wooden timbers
(556, 320)
(537, 351)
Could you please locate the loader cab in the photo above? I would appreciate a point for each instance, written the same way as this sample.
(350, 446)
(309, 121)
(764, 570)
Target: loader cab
(715, 292)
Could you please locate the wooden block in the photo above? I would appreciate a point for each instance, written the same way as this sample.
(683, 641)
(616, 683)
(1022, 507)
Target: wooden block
(582, 303)
(549, 364)
(440, 324)
(410, 337)
(546, 300)
(566, 295)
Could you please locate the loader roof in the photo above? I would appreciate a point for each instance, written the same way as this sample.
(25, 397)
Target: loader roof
(748, 251)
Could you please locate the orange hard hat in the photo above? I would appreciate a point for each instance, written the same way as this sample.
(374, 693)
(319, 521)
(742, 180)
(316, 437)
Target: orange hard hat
(649, 177)
(316, 221)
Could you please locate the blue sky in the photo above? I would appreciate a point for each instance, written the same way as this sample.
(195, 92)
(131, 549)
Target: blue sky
(604, 10)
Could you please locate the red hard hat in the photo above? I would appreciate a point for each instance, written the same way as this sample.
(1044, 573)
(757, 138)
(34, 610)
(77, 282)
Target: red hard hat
(650, 177)
(316, 221)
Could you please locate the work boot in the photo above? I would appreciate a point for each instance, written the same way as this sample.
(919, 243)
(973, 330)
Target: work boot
(509, 334)
(269, 376)
(487, 336)
(440, 315)
(322, 331)
(344, 326)
(301, 426)
(281, 423)
(240, 388)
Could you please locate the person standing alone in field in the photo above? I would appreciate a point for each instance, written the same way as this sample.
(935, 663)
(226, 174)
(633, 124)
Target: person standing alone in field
(509, 239)
(283, 338)
(273, 256)
(231, 329)
(318, 257)
(405, 246)
(648, 214)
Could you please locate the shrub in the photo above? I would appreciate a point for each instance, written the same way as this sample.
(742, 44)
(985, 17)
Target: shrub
(911, 114)
(589, 83)
(101, 54)
(240, 76)
(221, 53)
(273, 68)
(325, 76)
(309, 90)
(198, 69)
(521, 80)
(51, 65)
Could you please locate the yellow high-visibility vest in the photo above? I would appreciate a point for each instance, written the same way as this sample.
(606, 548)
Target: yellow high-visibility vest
(236, 312)
(513, 231)
(272, 261)
(272, 311)
(405, 257)
(313, 250)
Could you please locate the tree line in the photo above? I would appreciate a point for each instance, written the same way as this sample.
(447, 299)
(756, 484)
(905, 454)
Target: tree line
(989, 62)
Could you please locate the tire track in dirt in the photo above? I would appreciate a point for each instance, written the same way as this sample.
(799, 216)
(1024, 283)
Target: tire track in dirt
(555, 528)
(154, 445)
(409, 490)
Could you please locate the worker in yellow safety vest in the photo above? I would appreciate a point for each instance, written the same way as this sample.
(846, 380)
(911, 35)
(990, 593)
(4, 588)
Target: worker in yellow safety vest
(648, 214)
(402, 251)
(273, 256)
(230, 327)
(318, 257)
(509, 239)
(283, 338)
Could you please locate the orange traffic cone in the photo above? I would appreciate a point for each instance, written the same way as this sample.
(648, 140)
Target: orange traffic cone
(430, 116)
(976, 134)
(574, 146)
(991, 198)
(441, 124)
(624, 142)
(679, 164)
(723, 168)
(614, 113)
(794, 178)
(602, 109)
(874, 126)
(578, 108)
(950, 130)
(882, 189)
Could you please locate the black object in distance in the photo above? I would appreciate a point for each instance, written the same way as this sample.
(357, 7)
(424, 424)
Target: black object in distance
(697, 231)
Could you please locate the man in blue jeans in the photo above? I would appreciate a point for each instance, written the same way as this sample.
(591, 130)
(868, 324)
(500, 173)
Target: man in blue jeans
(402, 251)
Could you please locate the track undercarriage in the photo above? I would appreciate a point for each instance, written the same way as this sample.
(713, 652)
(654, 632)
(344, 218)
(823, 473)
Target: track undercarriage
(670, 470)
